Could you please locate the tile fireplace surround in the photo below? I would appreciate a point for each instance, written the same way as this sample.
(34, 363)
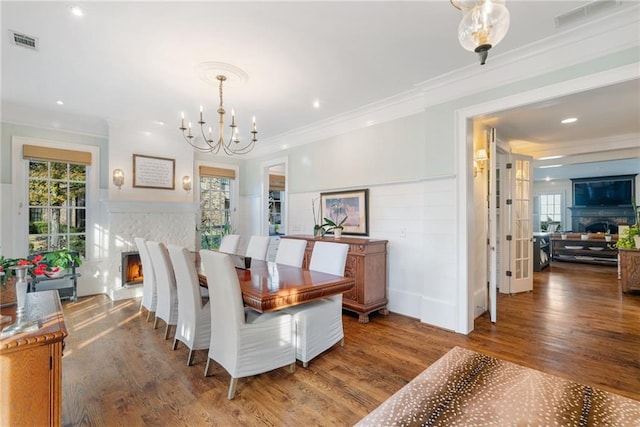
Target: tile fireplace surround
(170, 222)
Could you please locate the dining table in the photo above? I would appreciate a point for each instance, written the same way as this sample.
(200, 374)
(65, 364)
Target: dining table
(267, 286)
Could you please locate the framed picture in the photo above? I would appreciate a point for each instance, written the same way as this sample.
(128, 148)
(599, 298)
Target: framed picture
(153, 172)
(352, 205)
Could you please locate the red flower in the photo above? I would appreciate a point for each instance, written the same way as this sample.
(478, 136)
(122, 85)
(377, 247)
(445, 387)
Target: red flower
(23, 262)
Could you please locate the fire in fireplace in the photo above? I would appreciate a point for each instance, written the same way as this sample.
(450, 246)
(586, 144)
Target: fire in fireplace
(131, 269)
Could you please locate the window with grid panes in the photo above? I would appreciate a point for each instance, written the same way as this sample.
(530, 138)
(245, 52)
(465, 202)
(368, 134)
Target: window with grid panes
(550, 209)
(57, 206)
(215, 210)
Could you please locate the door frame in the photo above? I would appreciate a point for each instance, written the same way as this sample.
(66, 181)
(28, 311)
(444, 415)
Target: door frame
(264, 193)
(463, 136)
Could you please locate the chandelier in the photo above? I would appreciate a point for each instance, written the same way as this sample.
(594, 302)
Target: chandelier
(483, 25)
(230, 147)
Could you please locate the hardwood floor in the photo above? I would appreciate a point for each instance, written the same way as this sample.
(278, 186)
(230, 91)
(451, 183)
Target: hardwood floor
(117, 370)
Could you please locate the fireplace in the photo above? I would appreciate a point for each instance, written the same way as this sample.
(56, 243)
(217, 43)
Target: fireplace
(131, 269)
(596, 219)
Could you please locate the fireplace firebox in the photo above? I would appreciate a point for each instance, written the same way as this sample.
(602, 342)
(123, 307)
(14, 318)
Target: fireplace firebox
(131, 269)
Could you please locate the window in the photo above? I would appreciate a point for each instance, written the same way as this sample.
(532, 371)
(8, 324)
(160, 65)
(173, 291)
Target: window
(550, 211)
(215, 210)
(57, 206)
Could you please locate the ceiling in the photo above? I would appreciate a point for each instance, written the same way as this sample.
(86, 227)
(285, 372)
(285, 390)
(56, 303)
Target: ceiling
(137, 62)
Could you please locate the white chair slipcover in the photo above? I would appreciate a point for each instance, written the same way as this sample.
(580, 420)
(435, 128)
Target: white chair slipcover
(229, 243)
(319, 323)
(194, 315)
(149, 289)
(291, 252)
(243, 341)
(258, 247)
(167, 308)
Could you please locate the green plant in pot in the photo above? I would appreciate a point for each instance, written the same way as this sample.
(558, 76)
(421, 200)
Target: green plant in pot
(627, 240)
(63, 259)
(336, 227)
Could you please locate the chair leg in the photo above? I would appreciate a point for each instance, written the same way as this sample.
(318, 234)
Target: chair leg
(232, 388)
(149, 314)
(342, 342)
(190, 358)
(292, 367)
(175, 343)
(305, 364)
(155, 323)
(206, 368)
(166, 331)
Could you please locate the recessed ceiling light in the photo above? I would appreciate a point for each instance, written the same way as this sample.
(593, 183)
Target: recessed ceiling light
(370, 123)
(550, 157)
(316, 104)
(59, 102)
(159, 122)
(76, 11)
(548, 178)
(550, 166)
(569, 120)
(146, 133)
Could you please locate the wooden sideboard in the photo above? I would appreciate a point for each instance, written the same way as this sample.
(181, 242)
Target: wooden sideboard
(31, 364)
(629, 270)
(367, 264)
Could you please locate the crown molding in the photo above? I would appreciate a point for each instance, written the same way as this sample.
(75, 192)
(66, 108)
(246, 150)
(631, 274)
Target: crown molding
(602, 36)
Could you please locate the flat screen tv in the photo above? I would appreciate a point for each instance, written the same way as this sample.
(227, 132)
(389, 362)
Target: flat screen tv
(604, 191)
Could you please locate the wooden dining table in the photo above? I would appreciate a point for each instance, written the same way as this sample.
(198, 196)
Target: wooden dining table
(267, 286)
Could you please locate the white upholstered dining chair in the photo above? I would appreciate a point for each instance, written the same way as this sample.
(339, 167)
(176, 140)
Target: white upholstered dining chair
(167, 308)
(229, 243)
(258, 247)
(149, 289)
(319, 323)
(194, 316)
(243, 341)
(291, 252)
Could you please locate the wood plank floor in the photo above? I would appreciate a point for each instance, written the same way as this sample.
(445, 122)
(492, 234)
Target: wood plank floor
(117, 370)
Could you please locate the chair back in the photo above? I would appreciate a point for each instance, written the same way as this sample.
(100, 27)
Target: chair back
(187, 282)
(149, 291)
(291, 252)
(258, 247)
(225, 296)
(165, 281)
(229, 243)
(329, 257)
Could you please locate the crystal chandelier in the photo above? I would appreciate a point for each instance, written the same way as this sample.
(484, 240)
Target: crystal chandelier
(230, 147)
(484, 24)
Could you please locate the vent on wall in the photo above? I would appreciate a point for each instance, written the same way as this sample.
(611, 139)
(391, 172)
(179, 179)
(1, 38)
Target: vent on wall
(585, 11)
(23, 40)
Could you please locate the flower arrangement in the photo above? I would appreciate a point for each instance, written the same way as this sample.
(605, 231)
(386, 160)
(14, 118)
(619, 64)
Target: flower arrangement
(47, 264)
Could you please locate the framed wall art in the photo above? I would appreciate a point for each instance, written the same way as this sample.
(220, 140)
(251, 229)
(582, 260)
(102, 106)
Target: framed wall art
(352, 205)
(153, 172)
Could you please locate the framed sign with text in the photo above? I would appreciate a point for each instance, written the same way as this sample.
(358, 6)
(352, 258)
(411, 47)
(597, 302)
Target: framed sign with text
(153, 172)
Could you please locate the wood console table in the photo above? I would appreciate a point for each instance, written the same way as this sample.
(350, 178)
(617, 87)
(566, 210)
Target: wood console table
(31, 364)
(367, 264)
(594, 250)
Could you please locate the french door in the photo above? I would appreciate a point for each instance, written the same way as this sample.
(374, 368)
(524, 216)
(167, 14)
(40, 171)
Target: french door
(516, 239)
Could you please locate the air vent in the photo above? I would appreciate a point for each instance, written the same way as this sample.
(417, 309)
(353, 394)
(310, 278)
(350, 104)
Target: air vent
(23, 40)
(585, 11)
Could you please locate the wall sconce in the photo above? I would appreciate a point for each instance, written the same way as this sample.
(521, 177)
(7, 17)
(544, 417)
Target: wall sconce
(479, 160)
(186, 183)
(118, 178)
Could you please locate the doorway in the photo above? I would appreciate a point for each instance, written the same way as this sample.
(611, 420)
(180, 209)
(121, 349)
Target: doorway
(274, 204)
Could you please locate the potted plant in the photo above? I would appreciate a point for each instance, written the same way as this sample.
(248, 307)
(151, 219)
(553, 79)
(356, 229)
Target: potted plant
(631, 237)
(336, 227)
(60, 261)
(318, 228)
